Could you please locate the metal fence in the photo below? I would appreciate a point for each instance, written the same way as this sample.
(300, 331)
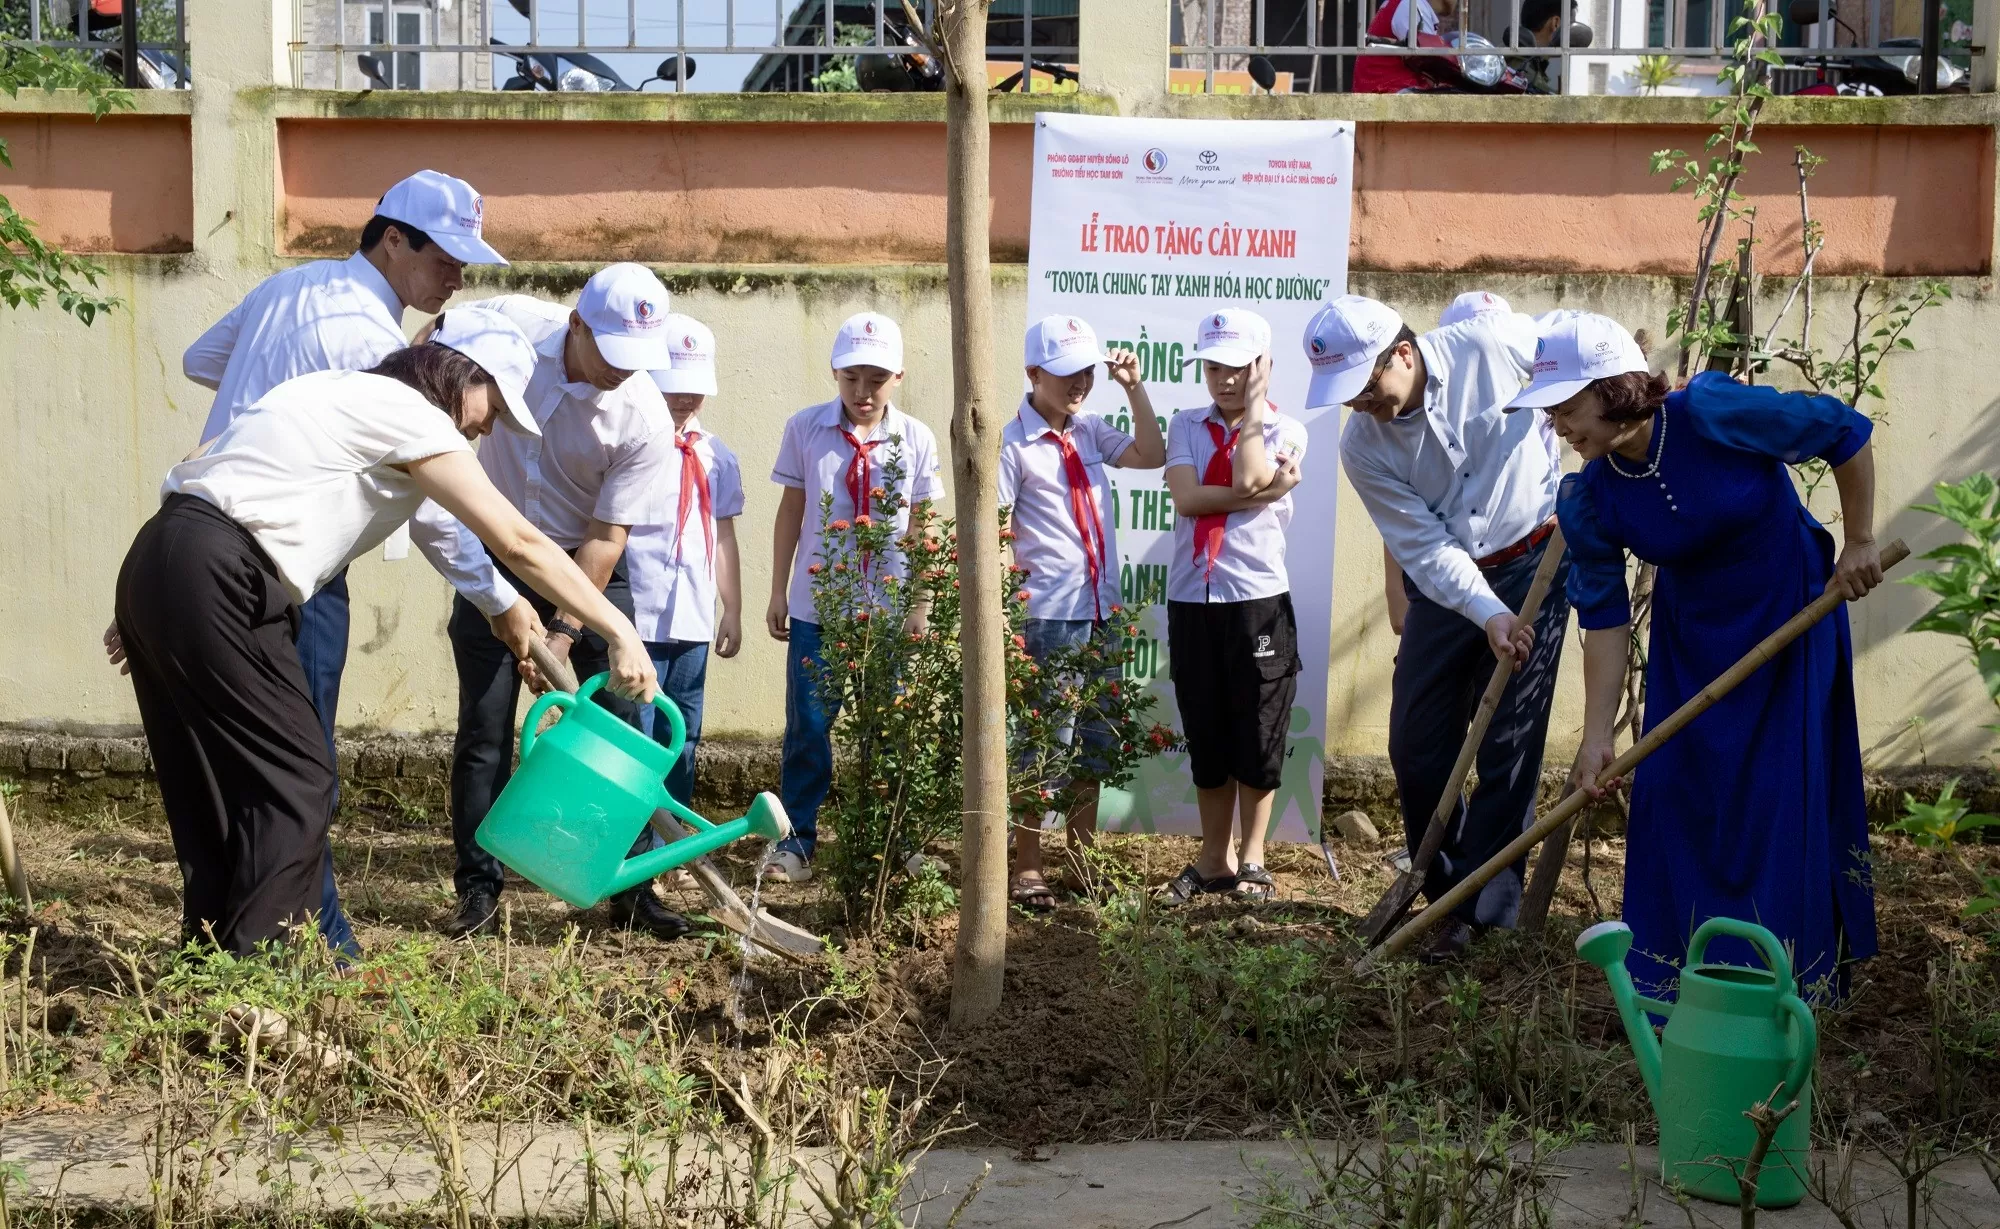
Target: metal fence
(577, 45)
(141, 42)
(1321, 44)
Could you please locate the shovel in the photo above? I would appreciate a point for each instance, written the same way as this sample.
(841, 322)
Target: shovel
(725, 906)
(1396, 902)
(1566, 810)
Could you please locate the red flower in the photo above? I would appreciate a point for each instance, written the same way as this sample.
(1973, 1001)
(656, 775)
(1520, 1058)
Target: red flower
(862, 617)
(1117, 609)
(814, 569)
(840, 567)
(1021, 595)
(876, 492)
(863, 521)
(841, 645)
(1114, 691)
(1006, 535)
(1020, 642)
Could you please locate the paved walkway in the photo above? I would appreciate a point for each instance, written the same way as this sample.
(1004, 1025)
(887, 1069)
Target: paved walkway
(1156, 1185)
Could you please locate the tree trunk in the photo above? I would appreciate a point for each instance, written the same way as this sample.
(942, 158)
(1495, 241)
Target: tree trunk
(975, 457)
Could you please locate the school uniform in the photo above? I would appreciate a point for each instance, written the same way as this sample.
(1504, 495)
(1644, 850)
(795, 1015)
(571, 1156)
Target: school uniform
(208, 607)
(601, 455)
(1231, 635)
(1464, 496)
(1057, 487)
(820, 455)
(672, 570)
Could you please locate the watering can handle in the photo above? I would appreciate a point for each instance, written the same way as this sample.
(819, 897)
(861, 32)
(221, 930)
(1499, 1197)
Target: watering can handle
(1808, 1045)
(1763, 940)
(533, 721)
(668, 709)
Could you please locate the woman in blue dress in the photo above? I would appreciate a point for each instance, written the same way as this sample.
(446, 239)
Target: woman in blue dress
(1755, 810)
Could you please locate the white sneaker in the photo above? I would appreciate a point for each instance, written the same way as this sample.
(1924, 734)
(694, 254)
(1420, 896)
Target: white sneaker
(786, 865)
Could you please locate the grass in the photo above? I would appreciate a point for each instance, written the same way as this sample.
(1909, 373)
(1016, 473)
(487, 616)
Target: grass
(709, 1080)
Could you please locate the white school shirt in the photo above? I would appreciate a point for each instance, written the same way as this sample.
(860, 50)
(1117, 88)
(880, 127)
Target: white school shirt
(1252, 563)
(814, 457)
(327, 315)
(600, 455)
(1458, 479)
(307, 469)
(1047, 542)
(672, 575)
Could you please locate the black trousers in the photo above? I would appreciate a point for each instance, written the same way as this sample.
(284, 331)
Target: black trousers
(244, 772)
(1442, 668)
(489, 689)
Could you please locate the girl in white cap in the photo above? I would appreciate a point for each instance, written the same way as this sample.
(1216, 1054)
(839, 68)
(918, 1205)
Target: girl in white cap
(1231, 634)
(1754, 811)
(319, 470)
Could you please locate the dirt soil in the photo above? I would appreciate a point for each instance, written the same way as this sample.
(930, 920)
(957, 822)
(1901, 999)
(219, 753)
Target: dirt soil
(1065, 1059)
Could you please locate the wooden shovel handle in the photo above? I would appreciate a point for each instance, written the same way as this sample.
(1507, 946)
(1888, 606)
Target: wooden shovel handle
(1825, 604)
(553, 668)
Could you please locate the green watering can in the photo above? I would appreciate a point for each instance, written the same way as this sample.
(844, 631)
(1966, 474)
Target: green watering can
(585, 790)
(1734, 1035)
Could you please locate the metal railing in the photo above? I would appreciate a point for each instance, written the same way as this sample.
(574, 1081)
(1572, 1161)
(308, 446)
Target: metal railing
(1323, 41)
(562, 46)
(114, 39)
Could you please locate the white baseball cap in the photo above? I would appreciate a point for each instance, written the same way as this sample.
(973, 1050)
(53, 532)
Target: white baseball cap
(625, 307)
(1342, 342)
(1233, 337)
(447, 210)
(1574, 351)
(691, 355)
(1062, 345)
(1472, 303)
(488, 338)
(869, 339)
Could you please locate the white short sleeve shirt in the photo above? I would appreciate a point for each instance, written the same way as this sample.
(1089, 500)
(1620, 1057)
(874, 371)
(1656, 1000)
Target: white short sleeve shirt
(671, 570)
(813, 456)
(1252, 562)
(1034, 482)
(308, 469)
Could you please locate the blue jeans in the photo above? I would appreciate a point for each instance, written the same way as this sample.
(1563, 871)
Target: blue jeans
(322, 645)
(682, 666)
(1049, 636)
(807, 770)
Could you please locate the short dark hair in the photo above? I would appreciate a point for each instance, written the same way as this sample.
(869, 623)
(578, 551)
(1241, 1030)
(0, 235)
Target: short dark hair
(378, 226)
(1406, 333)
(1631, 396)
(1536, 13)
(440, 373)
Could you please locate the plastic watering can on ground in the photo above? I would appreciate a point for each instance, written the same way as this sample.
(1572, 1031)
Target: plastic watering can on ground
(587, 788)
(1733, 1036)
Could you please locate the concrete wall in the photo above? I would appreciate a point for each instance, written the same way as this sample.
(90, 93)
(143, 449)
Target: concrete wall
(93, 416)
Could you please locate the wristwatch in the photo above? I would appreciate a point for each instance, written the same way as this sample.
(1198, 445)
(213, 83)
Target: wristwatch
(559, 628)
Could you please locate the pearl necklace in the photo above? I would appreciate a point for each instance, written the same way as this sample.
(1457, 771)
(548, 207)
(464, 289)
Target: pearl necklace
(1652, 470)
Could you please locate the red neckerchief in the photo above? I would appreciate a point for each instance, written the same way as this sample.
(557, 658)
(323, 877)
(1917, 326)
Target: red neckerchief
(860, 475)
(694, 484)
(1220, 472)
(1084, 511)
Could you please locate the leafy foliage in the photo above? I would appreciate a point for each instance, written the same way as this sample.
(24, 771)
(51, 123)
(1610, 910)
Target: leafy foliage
(1935, 825)
(31, 269)
(838, 76)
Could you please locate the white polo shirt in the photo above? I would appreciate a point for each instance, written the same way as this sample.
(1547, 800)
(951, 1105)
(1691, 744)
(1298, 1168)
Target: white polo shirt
(1458, 479)
(1035, 483)
(307, 469)
(1252, 562)
(814, 457)
(672, 573)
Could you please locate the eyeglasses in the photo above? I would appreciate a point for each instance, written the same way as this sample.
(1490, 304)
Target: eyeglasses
(1371, 391)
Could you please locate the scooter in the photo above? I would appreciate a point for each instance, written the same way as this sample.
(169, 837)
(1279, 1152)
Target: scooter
(1479, 71)
(1869, 76)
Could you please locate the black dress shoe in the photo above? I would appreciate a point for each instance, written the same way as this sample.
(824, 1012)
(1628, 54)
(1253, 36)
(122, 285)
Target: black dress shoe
(478, 914)
(1449, 945)
(639, 909)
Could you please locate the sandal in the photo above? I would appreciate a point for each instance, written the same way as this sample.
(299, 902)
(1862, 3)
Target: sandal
(1036, 898)
(1187, 885)
(1254, 883)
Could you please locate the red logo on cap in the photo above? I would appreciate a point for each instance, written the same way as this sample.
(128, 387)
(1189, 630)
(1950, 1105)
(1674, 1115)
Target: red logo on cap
(1218, 322)
(868, 327)
(1074, 327)
(478, 211)
(687, 342)
(645, 310)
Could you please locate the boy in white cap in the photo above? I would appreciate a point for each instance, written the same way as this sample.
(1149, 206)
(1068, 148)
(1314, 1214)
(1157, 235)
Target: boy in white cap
(347, 315)
(681, 567)
(596, 470)
(837, 449)
(1053, 458)
(1471, 303)
(1464, 497)
(1231, 634)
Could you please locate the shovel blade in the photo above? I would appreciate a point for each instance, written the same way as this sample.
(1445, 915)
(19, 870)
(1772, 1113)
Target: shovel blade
(1389, 910)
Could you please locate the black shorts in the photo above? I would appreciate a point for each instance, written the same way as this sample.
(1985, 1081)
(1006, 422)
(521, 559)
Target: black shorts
(1235, 667)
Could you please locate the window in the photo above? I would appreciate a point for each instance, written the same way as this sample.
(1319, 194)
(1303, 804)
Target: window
(405, 68)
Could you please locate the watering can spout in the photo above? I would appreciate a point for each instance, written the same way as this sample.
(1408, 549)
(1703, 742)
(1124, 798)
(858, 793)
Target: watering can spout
(1605, 945)
(767, 818)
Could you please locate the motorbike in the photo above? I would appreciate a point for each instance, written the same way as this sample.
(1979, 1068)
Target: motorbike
(102, 19)
(1469, 65)
(1867, 76)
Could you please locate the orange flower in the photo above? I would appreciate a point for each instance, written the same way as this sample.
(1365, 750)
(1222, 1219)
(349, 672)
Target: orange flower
(838, 526)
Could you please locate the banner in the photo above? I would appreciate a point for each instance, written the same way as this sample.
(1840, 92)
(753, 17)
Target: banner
(1142, 227)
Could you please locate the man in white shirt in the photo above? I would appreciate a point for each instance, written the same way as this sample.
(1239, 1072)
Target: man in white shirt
(594, 472)
(346, 315)
(1464, 496)
(683, 567)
